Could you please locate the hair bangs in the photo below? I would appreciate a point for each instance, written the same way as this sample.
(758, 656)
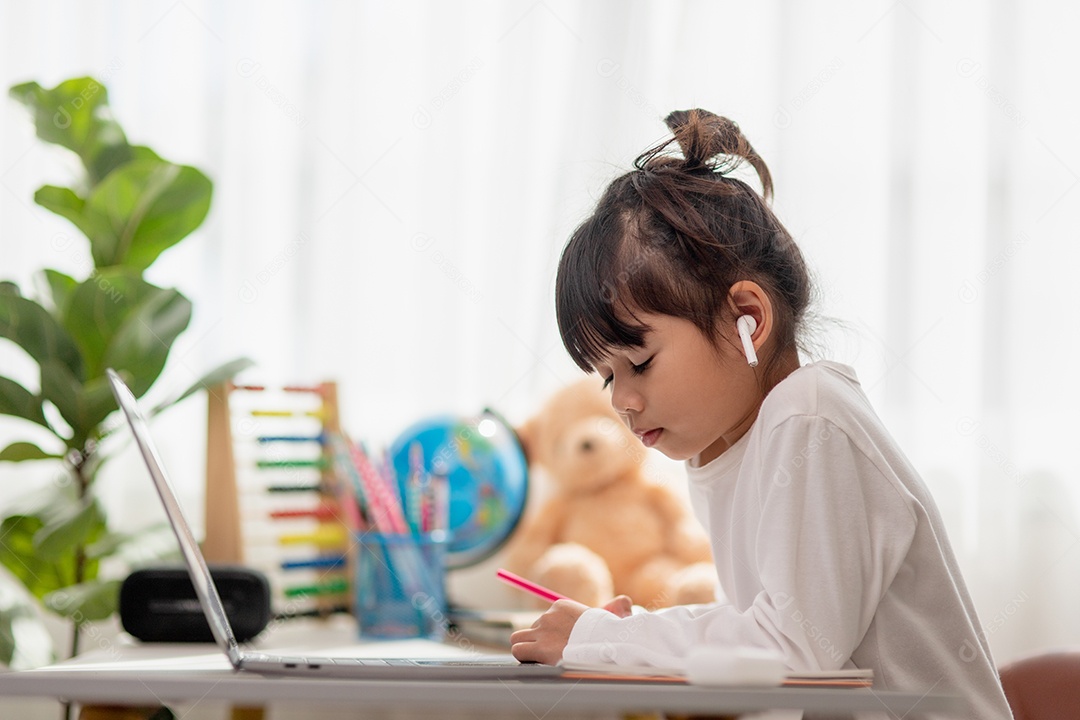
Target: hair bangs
(593, 307)
(658, 279)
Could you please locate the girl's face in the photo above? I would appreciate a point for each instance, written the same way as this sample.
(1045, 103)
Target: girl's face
(680, 393)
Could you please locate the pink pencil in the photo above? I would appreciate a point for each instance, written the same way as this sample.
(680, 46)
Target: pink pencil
(528, 586)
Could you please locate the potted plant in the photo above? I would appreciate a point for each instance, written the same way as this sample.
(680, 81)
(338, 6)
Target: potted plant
(131, 205)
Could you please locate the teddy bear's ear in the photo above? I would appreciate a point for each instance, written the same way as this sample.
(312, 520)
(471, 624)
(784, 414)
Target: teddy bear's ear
(526, 435)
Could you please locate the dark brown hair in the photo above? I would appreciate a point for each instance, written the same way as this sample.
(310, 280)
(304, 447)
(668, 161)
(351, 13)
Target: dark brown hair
(671, 237)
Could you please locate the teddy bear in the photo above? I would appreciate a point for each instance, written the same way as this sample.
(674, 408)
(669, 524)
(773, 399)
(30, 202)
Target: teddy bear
(605, 528)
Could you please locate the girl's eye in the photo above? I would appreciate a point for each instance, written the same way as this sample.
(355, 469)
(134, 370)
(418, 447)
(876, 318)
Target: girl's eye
(638, 369)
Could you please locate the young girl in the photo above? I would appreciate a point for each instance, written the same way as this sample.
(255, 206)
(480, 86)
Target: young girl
(828, 546)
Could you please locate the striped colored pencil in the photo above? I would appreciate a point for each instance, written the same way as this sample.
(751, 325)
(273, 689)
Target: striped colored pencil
(389, 517)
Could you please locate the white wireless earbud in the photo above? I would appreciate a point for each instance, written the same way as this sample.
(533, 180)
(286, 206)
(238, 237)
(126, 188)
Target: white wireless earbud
(746, 325)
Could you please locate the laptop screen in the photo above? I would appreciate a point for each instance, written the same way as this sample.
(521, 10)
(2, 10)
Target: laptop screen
(189, 548)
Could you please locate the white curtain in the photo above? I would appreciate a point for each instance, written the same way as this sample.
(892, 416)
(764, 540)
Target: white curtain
(394, 182)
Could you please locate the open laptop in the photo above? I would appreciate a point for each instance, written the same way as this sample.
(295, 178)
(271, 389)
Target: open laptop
(481, 667)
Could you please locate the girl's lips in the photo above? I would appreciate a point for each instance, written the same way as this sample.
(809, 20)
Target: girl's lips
(649, 437)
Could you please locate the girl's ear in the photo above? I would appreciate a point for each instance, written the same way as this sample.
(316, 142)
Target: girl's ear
(749, 298)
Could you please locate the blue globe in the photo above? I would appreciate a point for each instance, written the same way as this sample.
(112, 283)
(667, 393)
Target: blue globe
(487, 475)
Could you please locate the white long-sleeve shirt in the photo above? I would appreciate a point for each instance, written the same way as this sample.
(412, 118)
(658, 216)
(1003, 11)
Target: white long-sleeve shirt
(830, 550)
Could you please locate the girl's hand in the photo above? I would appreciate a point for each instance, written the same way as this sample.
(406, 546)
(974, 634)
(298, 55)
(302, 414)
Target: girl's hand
(545, 640)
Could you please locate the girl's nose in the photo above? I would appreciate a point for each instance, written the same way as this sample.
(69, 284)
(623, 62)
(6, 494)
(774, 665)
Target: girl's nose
(624, 400)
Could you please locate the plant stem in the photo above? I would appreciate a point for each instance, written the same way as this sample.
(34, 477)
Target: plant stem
(82, 482)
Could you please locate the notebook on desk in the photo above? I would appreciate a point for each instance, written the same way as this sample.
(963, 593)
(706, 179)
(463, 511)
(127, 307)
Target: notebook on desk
(488, 667)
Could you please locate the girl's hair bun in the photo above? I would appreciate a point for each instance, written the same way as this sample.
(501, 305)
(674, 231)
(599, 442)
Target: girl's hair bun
(701, 135)
(710, 142)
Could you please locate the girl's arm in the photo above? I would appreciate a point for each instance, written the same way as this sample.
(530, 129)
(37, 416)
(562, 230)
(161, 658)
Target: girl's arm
(819, 532)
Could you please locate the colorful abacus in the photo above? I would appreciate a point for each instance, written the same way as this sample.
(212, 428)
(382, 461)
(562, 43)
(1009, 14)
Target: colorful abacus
(272, 499)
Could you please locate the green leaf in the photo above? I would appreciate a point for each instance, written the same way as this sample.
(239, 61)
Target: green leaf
(17, 554)
(141, 152)
(32, 328)
(60, 287)
(75, 114)
(82, 405)
(142, 344)
(17, 401)
(150, 205)
(7, 637)
(223, 372)
(61, 538)
(62, 201)
(96, 401)
(9, 288)
(99, 307)
(110, 544)
(67, 204)
(62, 388)
(116, 319)
(17, 546)
(87, 601)
(22, 451)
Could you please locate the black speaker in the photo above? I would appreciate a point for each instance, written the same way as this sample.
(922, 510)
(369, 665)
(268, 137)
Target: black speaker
(160, 605)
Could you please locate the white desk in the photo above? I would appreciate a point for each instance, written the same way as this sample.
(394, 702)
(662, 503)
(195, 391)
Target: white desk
(124, 673)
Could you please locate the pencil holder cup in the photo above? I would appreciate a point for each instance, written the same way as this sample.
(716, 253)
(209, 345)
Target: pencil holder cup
(401, 585)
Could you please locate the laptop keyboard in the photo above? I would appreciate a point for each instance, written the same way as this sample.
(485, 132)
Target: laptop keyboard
(316, 662)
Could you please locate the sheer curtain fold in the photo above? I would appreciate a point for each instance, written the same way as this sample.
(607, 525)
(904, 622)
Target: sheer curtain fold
(394, 182)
